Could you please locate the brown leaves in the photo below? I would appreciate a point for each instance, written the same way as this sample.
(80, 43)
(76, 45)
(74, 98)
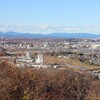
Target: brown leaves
(43, 84)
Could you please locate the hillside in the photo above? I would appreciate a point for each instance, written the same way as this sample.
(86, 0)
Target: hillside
(51, 35)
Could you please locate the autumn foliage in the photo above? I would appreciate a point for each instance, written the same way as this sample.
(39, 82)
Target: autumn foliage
(45, 84)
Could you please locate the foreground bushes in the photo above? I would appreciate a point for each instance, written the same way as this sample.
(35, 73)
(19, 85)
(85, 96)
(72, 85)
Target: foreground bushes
(45, 84)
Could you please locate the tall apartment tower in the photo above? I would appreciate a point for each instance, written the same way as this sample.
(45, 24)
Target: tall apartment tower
(28, 55)
(39, 59)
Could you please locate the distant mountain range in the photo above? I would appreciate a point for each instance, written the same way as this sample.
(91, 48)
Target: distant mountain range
(52, 35)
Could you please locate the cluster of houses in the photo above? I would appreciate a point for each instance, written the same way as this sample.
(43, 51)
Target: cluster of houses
(28, 60)
(88, 49)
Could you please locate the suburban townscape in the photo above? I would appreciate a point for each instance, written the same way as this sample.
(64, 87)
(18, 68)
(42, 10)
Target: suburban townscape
(32, 52)
(49, 49)
(43, 57)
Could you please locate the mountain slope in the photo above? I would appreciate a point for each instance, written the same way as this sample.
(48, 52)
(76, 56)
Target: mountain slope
(52, 35)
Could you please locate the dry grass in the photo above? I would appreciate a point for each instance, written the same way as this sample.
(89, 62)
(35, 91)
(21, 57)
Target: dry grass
(73, 62)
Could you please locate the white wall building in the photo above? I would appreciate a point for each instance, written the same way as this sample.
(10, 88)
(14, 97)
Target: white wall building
(28, 46)
(25, 59)
(39, 59)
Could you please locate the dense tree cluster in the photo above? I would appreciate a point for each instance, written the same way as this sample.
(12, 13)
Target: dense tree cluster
(45, 84)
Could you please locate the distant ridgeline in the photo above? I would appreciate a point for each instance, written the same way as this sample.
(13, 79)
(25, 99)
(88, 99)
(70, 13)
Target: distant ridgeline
(52, 35)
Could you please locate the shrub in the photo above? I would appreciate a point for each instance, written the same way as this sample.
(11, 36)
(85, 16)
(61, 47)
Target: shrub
(45, 84)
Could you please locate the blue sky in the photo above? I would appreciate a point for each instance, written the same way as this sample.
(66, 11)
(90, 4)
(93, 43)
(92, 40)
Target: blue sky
(47, 16)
